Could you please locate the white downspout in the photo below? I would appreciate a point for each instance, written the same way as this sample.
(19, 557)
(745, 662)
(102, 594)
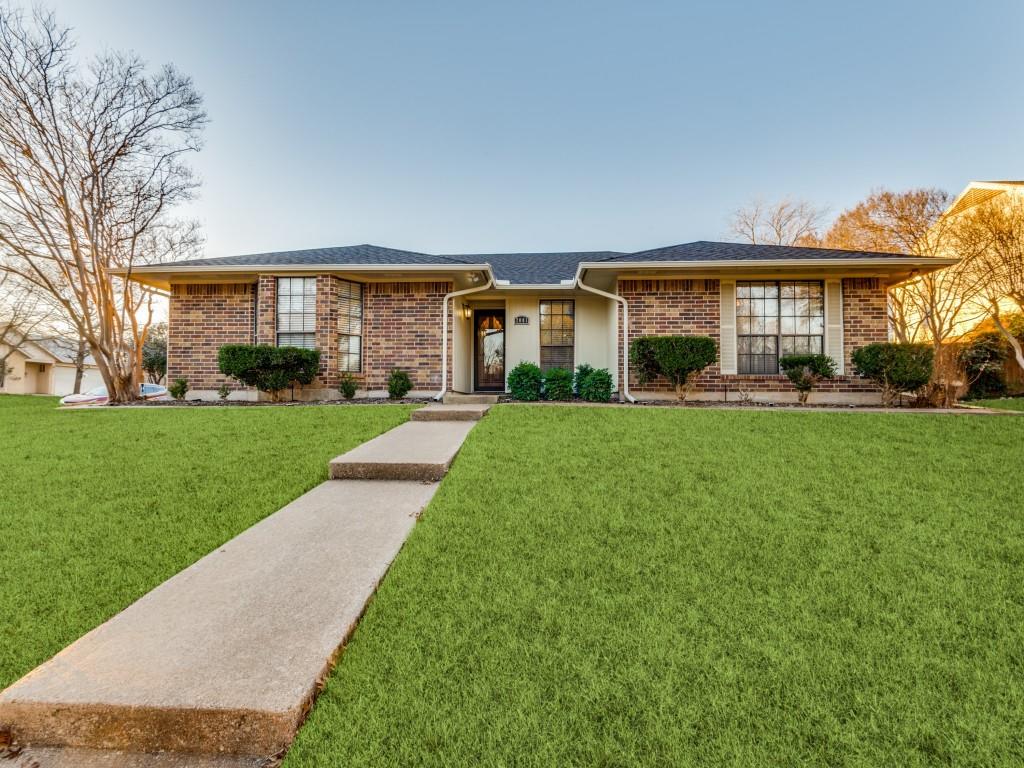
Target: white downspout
(444, 329)
(625, 330)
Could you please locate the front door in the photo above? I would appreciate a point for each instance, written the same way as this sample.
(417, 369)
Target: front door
(489, 350)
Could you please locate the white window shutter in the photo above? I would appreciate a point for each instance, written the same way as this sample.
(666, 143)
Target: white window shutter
(834, 323)
(727, 327)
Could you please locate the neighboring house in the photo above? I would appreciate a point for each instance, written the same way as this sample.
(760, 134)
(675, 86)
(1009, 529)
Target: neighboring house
(369, 309)
(46, 366)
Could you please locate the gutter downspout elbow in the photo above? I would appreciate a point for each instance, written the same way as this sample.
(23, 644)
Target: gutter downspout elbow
(625, 330)
(444, 329)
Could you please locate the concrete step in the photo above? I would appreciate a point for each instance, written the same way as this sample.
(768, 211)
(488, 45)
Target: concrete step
(225, 657)
(467, 412)
(416, 450)
(457, 398)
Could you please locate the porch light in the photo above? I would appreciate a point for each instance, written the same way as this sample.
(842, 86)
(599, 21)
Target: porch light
(467, 311)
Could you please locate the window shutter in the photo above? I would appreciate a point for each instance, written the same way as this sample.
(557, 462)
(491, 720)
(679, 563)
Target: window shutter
(727, 327)
(834, 323)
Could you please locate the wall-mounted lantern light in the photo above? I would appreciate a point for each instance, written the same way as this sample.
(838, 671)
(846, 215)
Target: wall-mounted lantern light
(467, 311)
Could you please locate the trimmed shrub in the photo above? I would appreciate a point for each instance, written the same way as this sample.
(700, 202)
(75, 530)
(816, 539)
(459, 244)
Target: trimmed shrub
(178, 389)
(524, 382)
(347, 385)
(558, 384)
(270, 369)
(680, 359)
(805, 371)
(583, 370)
(596, 386)
(895, 368)
(399, 384)
(223, 391)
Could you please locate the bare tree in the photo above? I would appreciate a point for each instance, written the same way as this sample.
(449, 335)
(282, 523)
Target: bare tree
(992, 237)
(24, 315)
(786, 222)
(91, 164)
(933, 307)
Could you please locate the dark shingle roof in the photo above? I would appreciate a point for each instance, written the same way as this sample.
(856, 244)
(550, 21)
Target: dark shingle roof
(534, 268)
(705, 250)
(528, 268)
(346, 254)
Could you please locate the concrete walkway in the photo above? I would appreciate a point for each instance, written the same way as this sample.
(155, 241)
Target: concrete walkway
(226, 657)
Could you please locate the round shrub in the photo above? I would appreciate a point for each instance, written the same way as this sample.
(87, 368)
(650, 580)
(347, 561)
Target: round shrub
(595, 387)
(805, 371)
(678, 358)
(178, 389)
(268, 368)
(895, 368)
(524, 382)
(347, 385)
(399, 384)
(558, 384)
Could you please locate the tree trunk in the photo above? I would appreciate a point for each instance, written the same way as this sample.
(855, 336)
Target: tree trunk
(1012, 340)
(79, 365)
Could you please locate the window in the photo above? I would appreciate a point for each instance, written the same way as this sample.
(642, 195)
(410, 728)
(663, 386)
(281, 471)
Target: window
(296, 312)
(776, 319)
(557, 334)
(350, 327)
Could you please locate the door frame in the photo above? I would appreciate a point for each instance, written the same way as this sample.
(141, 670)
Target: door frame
(497, 312)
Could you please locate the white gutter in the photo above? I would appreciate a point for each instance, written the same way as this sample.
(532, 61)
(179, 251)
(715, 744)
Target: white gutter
(753, 264)
(625, 329)
(444, 327)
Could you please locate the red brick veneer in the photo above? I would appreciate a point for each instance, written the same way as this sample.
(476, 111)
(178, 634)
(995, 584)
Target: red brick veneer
(202, 318)
(692, 307)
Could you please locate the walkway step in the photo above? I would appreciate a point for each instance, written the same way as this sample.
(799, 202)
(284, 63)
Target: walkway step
(457, 398)
(416, 450)
(467, 412)
(225, 657)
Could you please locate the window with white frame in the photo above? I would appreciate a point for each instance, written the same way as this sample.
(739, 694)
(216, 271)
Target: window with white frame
(296, 312)
(775, 319)
(350, 326)
(557, 334)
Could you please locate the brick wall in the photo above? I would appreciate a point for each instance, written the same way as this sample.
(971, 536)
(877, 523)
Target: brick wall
(669, 308)
(692, 307)
(865, 315)
(201, 319)
(402, 329)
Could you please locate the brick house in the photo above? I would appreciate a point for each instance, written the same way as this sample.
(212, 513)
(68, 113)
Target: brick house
(369, 309)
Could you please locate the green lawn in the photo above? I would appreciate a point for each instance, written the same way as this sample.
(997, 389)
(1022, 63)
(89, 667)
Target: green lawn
(1002, 403)
(619, 587)
(98, 507)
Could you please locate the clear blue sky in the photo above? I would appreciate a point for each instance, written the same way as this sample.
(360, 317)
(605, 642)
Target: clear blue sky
(483, 126)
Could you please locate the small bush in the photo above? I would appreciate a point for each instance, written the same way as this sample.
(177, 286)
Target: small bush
(178, 389)
(223, 391)
(558, 384)
(805, 371)
(347, 385)
(596, 387)
(524, 382)
(399, 384)
(895, 368)
(270, 369)
(680, 359)
(583, 370)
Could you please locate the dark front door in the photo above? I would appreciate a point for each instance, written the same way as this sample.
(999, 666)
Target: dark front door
(489, 349)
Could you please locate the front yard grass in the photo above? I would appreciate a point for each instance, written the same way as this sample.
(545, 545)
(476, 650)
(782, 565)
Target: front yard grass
(98, 507)
(1002, 403)
(619, 587)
